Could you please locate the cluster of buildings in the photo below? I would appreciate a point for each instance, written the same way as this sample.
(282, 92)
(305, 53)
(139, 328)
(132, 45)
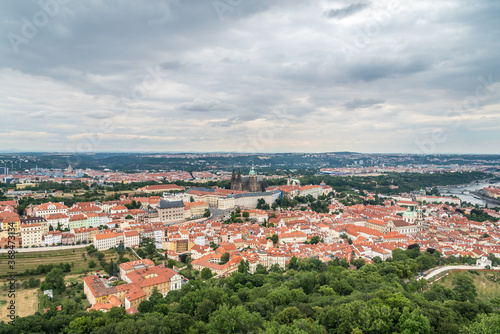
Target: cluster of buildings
(359, 168)
(265, 238)
(349, 232)
(492, 192)
(141, 279)
(293, 189)
(90, 222)
(30, 178)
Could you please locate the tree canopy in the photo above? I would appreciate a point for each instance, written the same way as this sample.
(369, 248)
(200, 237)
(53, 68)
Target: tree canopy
(309, 297)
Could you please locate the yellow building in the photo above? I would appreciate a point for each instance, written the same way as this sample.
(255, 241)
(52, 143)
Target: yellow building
(140, 285)
(11, 226)
(194, 209)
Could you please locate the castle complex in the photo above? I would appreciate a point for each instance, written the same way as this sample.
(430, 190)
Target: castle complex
(251, 183)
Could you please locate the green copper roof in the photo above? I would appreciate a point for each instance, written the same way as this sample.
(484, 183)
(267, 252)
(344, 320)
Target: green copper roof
(252, 171)
(408, 213)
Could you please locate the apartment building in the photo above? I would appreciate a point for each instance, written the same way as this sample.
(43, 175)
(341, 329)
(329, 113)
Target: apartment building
(31, 235)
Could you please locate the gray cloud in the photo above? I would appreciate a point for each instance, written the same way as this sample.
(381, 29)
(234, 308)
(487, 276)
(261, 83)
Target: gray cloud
(346, 11)
(204, 105)
(136, 71)
(362, 103)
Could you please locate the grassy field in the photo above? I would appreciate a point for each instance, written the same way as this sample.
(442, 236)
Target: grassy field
(26, 303)
(486, 289)
(78, 258)
(26, 299)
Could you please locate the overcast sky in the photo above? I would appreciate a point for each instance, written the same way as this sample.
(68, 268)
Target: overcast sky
(250, 75)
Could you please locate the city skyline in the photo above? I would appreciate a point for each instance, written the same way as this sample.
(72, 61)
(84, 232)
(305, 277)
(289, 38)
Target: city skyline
(250, 76)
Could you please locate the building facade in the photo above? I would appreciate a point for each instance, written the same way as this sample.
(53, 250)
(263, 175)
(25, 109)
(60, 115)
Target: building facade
(250, 183)
(170, 211)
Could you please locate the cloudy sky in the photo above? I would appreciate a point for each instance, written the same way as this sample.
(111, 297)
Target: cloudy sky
(250, 75)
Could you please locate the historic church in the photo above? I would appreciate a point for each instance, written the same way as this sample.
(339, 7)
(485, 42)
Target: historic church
(251, 183)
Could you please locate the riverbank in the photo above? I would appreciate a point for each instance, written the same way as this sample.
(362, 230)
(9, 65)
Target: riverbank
(480, 194)
(468, 192)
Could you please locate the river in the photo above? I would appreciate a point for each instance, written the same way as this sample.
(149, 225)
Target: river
(464, 192)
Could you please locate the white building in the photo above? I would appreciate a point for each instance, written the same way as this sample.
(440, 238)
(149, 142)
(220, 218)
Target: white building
(247, 200)
(131, 239)
(105, 241)
(31, 235)
(57, 219)
(158, 236)
(52, 238)
(49, 208)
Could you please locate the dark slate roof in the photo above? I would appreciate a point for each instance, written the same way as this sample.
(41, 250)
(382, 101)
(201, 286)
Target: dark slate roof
(211, 190)
(167, 205)
(32, 220)
(258, 194)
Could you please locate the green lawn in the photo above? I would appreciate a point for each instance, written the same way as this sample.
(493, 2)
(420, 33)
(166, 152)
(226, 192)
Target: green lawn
(78, 257)
(486, 289)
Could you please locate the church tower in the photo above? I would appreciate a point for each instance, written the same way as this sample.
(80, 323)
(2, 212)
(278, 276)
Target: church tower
(253, 185)
(233, 180)
(419, 219)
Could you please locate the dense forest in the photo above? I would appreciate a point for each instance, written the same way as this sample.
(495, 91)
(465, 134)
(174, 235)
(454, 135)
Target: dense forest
(310, 297)
(264, 161)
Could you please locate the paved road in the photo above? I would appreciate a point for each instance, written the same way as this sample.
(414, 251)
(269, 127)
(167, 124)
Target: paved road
(44, 249)
(440, 270)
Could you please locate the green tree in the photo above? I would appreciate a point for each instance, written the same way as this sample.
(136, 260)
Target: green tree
(358, 262)
(484, 324)
(205, 309)
(91, 264)
(156, 296)
(33, 282)
(314, 240)
(80, 325)
(414, 323)
(276, 268)
(99, 255)
(288, 315)
(224, 258)
(54, 280)
(146, 306)
(260, 269)
(206, 273)
(293, 263)
(244, 267)
(234, 320)
(262, 205)
(464, 287)
(171, 263)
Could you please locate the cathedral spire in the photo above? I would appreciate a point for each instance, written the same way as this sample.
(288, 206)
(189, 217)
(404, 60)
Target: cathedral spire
(252, 171)
(233, 176)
